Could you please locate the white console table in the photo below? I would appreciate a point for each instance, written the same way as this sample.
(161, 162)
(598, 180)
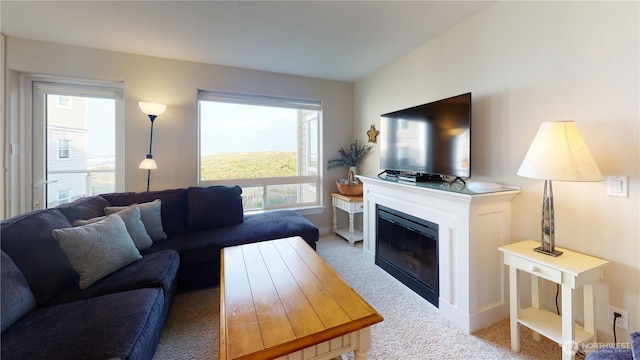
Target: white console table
(472, 280)
(352, 205)
(571, 270)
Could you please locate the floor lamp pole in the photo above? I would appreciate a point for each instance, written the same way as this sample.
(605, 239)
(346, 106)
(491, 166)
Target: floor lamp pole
(150, 155)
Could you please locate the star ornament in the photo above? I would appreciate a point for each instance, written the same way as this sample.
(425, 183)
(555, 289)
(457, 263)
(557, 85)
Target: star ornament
(373, 134)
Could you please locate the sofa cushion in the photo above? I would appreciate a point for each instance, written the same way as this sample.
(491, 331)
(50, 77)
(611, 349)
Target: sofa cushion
(204, 246)
(97, 249)
(214, 206)
(125, 325)
(16, 299)
(150, 215)
(174, 206)
(153, 270)
(132, 221)
(84, 208)
(27, 240)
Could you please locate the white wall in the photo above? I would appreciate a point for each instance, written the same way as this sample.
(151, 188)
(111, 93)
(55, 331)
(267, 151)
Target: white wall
(175, 83)
(528, 62)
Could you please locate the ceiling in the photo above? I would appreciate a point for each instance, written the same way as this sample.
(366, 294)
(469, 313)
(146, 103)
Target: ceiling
(337, 40)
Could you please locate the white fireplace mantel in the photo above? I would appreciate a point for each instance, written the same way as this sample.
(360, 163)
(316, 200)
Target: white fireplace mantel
(473, 288)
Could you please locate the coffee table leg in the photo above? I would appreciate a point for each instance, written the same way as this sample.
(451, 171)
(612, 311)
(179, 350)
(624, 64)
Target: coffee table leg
(363, 343)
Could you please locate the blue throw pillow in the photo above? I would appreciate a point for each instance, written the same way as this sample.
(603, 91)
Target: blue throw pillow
(214, 206)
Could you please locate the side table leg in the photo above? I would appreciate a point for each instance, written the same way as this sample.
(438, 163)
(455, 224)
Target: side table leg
(568, 328)
(351, 237)
(535, 300)
(335, 221)
(514, 308)
(589, 311)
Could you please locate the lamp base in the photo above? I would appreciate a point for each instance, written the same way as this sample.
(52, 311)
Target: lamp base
(553, 253)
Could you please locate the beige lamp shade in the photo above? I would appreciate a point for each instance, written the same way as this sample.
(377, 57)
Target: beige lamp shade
(148, 164)
(152, 108)
(558, 152)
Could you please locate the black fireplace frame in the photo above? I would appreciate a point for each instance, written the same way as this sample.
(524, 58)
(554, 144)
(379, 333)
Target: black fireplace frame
(418, 226)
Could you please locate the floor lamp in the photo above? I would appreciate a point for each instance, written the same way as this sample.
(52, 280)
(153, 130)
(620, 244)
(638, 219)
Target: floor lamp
(152, 110)
(558, 152)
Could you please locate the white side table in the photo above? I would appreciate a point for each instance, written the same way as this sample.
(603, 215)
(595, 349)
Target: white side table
(352, 205)
(571, 270)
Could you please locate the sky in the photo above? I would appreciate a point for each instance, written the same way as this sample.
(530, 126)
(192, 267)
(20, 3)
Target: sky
(101, 124)
(226, 128)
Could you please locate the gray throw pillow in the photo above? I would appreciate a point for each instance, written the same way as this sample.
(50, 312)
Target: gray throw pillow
(132, 221)
(151, 216)
(82, 222)
(96, 250)
(16, 298)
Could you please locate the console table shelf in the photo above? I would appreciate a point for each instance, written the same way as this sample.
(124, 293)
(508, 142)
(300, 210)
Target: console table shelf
(549, 325)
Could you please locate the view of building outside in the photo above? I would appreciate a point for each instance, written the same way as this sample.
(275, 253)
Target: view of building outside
(80, 147)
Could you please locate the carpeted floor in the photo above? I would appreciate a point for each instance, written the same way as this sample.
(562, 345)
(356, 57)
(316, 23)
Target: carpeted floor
(412, 328)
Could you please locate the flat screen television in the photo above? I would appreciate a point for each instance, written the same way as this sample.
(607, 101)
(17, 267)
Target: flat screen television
(429, 139)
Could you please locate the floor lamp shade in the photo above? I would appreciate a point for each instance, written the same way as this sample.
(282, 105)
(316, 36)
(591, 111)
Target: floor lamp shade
(152, 108)
(148, 164)
(558, 152)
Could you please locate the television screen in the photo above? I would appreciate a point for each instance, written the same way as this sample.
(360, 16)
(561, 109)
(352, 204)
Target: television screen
(429, 139)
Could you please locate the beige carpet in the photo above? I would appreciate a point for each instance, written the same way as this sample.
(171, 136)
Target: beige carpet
(412, 329)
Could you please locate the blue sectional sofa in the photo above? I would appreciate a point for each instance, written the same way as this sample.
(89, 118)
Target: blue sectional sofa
(629, 352)
(95, 278)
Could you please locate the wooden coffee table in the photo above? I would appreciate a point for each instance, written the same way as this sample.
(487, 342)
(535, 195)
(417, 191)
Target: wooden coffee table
(280, 300)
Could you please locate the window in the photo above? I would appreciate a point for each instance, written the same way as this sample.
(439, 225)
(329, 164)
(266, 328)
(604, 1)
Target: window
(64, 102)
(266, 145)
(63, 196)
(64, 149)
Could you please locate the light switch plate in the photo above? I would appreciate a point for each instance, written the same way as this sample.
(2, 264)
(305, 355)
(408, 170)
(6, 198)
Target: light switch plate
(617, 186)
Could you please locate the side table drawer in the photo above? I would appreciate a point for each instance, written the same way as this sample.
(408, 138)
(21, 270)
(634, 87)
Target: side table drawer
(358, 207)
(534, 268)
(350, 207)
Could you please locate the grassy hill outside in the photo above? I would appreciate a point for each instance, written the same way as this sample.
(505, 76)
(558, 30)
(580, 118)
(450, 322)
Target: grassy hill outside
(250, 166)
(247, 165)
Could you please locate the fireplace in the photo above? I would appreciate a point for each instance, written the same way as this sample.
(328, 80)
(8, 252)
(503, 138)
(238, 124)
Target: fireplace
(407, 248)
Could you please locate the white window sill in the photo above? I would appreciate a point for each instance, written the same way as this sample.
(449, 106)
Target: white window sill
(305, 210)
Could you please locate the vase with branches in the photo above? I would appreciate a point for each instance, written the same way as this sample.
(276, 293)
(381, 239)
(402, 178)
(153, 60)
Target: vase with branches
(351, 158)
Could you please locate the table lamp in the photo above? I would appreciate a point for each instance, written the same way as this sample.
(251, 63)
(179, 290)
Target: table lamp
(558, 152)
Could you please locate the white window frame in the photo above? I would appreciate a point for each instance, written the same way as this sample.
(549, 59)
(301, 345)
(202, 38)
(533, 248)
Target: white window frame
(28, 141)
(304, 180)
